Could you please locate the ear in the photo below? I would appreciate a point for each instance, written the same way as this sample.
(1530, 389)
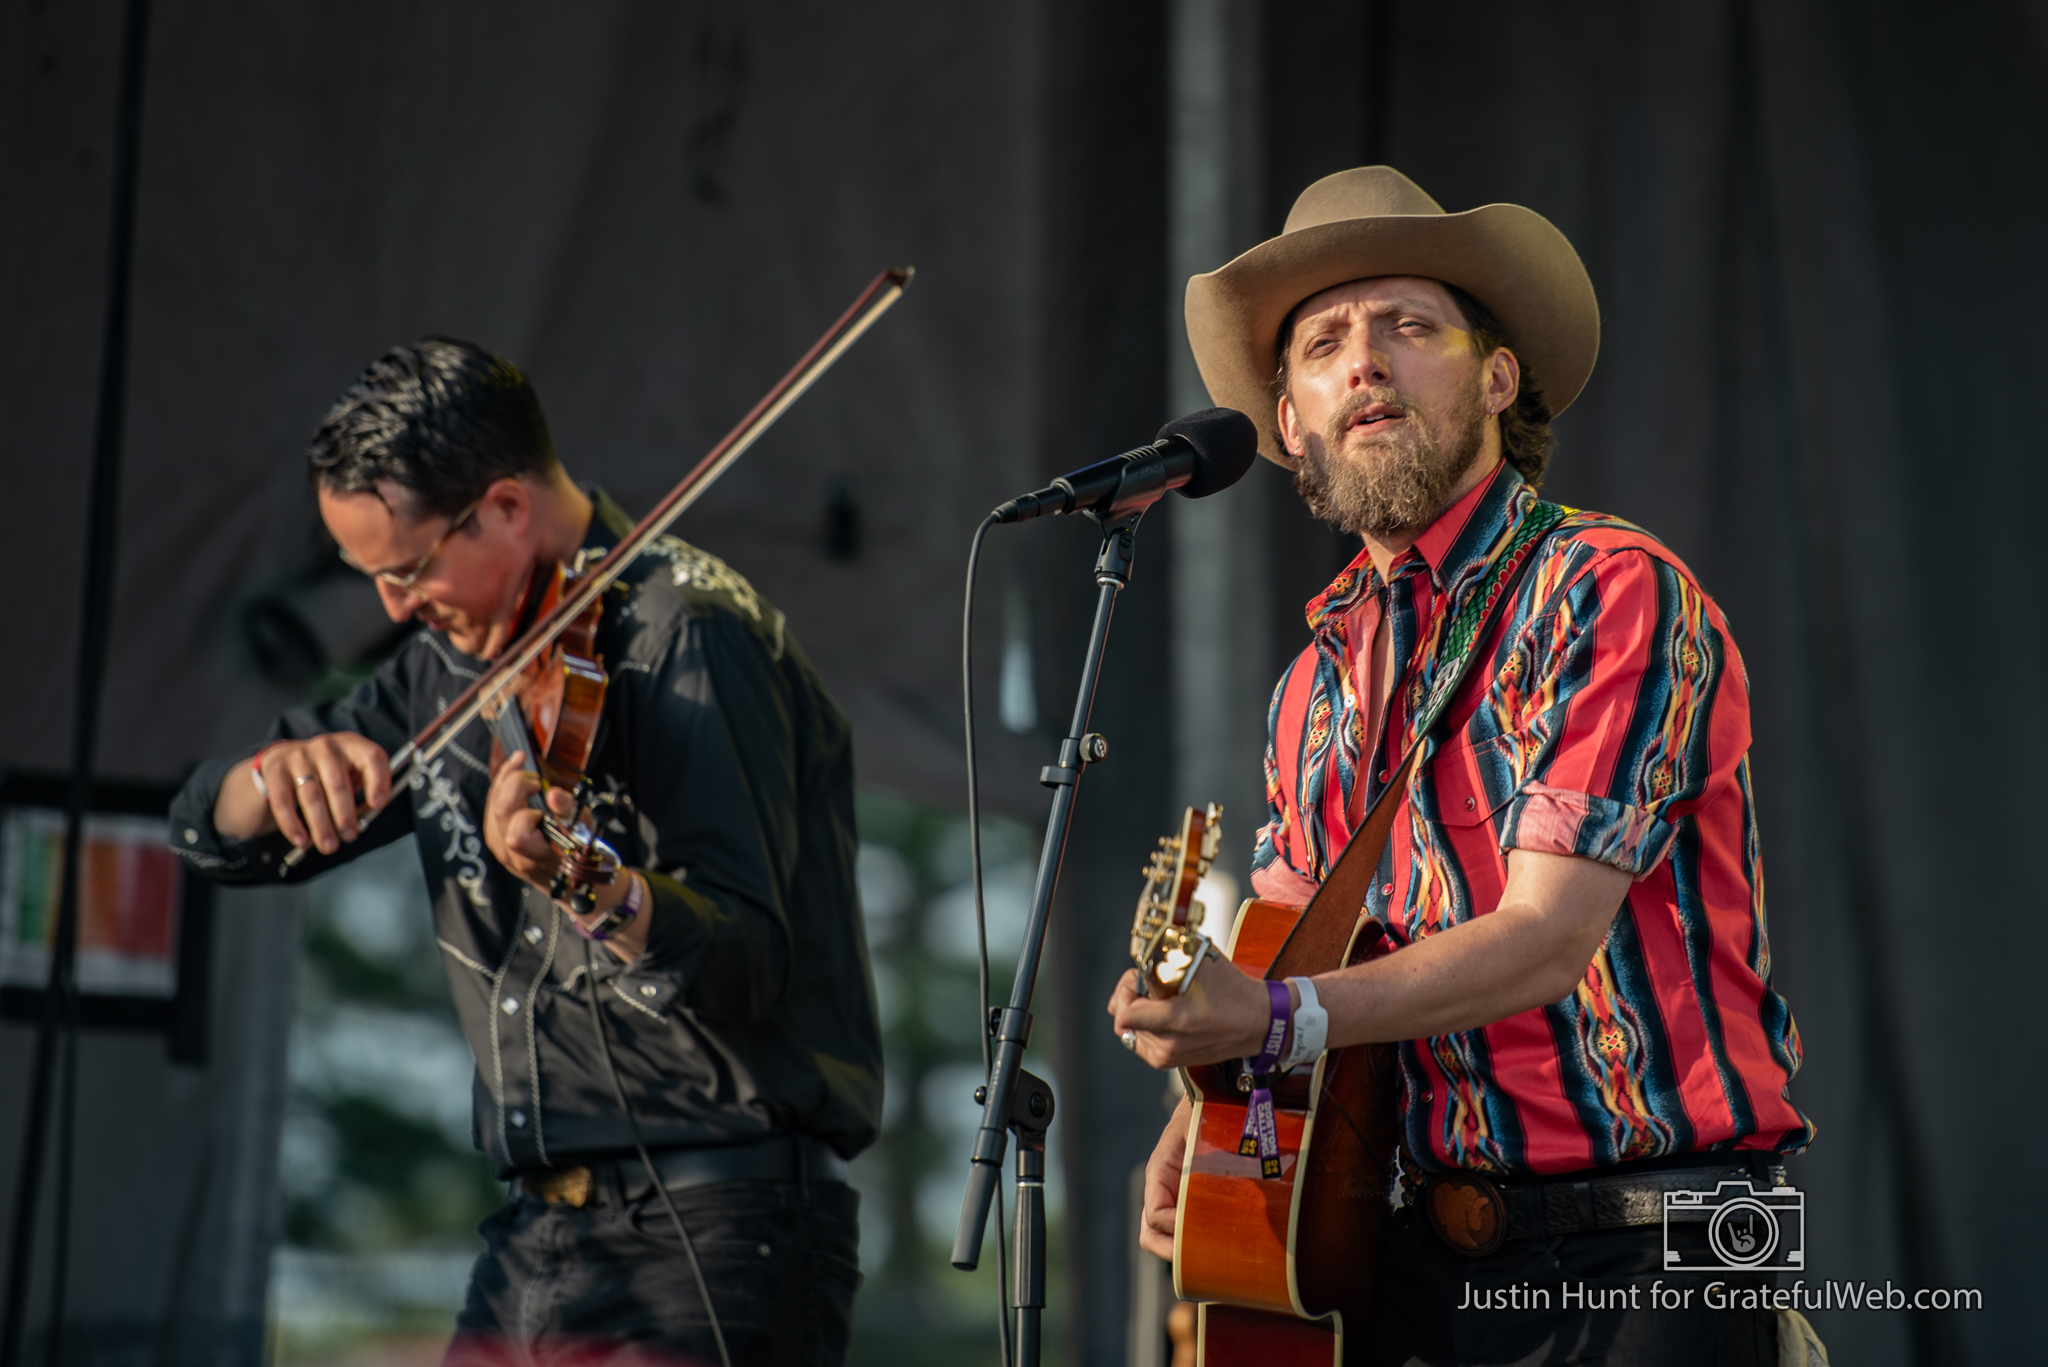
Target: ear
(1290, 427)
(1503, 380)
(509, 501)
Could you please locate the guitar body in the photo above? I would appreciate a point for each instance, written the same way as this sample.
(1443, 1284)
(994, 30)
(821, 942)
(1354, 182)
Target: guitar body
(1285, 1267)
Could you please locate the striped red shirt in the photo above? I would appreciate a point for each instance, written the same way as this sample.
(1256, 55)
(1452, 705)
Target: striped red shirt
(1606, 716)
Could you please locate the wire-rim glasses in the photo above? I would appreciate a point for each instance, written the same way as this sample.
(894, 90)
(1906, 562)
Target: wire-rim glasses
(404, 582)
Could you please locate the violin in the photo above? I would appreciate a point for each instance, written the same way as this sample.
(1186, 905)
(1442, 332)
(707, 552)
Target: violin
(543, 695)
(550, 716)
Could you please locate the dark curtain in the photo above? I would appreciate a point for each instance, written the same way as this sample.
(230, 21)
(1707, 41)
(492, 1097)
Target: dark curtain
(1814, 230)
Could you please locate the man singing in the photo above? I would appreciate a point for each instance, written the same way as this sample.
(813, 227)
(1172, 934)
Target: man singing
(727, 960)
(1580, 989)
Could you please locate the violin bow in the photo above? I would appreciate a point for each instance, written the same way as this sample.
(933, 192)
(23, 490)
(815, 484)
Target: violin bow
(880, 295)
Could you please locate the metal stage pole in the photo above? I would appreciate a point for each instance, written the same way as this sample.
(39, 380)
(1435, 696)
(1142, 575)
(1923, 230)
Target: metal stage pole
(56, 1056)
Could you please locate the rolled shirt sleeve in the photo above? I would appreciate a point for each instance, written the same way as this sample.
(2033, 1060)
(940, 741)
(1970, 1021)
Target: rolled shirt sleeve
(1617, 732)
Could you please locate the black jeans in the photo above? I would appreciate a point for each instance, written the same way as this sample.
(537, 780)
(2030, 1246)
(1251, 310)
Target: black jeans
(609, 1282)
(1438, 1308)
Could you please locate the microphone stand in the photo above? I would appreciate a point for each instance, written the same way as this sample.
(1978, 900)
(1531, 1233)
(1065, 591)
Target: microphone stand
(1014, 1099)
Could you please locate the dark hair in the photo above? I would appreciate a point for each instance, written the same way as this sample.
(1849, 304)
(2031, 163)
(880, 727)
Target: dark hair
(443, 419)
(1526, 441)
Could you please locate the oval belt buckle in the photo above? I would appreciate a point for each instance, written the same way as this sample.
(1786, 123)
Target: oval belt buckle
(1467, 1212)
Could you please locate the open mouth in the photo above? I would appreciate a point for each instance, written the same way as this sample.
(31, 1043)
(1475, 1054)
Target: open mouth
(1376, 415)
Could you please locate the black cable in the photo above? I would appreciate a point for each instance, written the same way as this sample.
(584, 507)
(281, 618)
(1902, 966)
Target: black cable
(980, 910)
(604, 1046)
(974, 783)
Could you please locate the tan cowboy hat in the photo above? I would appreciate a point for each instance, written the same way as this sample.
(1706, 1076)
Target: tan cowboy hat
(1375, 221)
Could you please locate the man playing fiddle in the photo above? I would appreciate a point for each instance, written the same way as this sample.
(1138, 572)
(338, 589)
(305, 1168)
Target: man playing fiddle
(727, 957)
(1580, 987)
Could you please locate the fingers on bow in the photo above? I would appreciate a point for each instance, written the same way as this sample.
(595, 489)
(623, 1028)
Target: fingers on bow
(282, 794)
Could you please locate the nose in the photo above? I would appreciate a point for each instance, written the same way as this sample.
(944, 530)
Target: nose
(399, 605)
(1368, 362)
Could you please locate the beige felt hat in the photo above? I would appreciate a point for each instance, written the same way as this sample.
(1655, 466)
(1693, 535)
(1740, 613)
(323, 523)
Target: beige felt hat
(1375, 221)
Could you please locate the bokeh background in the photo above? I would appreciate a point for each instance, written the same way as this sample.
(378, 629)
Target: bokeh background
(1813, 225)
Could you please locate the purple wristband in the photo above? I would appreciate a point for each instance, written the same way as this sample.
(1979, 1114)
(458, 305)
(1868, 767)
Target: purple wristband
(1261, 1138)
(1276, 1029)
(619, 917)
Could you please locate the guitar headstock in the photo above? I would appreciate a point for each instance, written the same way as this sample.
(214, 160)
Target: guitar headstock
(1166, 942)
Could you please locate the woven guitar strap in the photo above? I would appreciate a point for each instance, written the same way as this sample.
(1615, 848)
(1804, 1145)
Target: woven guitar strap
(1321, 938)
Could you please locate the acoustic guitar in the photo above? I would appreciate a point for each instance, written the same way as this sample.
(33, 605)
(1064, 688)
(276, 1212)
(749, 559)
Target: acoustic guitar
(1280, 1267)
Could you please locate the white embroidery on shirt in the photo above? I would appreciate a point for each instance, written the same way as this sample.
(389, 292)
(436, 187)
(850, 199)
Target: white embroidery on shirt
(447, 660)
(707, 572)
(465, 851)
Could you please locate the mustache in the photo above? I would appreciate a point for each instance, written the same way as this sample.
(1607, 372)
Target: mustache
(1361, 399)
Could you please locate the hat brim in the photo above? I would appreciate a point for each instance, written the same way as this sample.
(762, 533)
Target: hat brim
(1511, 259)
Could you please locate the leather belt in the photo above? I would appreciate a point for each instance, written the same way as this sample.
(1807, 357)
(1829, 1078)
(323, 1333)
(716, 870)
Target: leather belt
(779, 1158)
(1475, 1215)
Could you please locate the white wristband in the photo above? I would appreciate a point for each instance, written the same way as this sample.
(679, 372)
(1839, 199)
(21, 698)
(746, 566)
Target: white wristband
(1311, 1026)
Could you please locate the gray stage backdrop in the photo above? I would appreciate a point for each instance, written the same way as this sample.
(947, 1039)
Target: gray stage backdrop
(1811, 224)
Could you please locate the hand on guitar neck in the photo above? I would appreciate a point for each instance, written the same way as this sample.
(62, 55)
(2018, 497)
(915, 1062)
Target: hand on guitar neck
(1222, 1014)
(1529, 951)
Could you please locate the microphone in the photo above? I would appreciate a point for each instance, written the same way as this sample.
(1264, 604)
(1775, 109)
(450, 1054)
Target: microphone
(1200, 454)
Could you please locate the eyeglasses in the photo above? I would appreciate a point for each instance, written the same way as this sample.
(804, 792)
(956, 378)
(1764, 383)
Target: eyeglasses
(404, 582)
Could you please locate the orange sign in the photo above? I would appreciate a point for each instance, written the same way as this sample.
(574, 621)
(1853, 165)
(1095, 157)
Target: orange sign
(130, 894)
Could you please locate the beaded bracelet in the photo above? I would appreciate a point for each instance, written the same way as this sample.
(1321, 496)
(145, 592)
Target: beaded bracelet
(620, 916)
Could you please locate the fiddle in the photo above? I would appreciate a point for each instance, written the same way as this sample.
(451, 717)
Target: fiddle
(541, 666)
(550, 716)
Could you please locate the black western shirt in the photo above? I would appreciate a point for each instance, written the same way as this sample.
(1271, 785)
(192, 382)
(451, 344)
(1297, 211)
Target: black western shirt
(751, 1012)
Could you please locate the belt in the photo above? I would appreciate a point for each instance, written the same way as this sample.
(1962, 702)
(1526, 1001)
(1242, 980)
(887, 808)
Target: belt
(779, 1158)
(1475, 1215)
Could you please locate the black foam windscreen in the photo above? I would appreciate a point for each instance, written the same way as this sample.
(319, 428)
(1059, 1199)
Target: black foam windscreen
(1225, 445)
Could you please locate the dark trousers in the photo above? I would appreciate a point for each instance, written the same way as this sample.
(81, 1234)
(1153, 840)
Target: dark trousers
(609, 1282)
(1516, 1310)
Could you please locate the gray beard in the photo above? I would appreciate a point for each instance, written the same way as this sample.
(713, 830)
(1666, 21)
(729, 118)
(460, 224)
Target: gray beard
(1396, 483)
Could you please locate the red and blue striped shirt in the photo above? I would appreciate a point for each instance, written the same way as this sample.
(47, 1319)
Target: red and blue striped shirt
(1606, 716)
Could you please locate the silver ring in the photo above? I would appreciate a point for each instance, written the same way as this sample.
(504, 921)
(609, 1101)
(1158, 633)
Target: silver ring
(303, 779)
(1130, 1039)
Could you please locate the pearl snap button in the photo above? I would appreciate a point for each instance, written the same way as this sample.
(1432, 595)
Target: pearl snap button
(510, 1006)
